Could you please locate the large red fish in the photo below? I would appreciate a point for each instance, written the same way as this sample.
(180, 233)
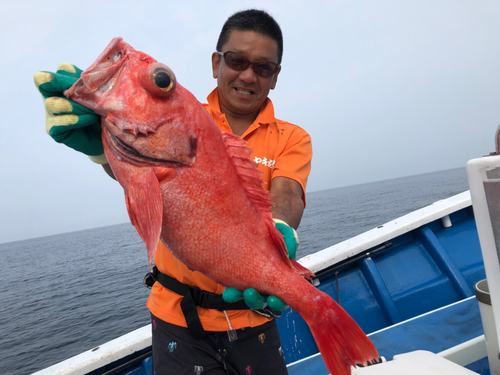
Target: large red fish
(197, 190)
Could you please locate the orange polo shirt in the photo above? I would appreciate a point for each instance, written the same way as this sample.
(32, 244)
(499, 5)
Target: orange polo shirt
(279, 149)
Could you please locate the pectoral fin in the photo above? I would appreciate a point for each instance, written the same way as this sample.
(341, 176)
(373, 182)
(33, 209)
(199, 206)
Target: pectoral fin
(145, 208)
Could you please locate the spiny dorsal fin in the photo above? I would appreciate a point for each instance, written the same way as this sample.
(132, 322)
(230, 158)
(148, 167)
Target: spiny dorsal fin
(248, 172)
(252, 182)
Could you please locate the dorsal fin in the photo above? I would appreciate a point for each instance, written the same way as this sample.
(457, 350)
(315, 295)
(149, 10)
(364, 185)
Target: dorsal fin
(252, 182)
(248, 172)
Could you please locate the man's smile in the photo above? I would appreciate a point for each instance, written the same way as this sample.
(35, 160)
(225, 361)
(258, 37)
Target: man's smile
(244, 91)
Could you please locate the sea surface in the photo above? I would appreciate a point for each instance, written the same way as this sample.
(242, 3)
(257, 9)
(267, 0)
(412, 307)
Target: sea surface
(68, 293)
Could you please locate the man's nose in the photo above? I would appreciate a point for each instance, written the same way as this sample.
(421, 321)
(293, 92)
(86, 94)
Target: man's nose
(248, 75)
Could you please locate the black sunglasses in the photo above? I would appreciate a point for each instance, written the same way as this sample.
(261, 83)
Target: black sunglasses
(239, 63)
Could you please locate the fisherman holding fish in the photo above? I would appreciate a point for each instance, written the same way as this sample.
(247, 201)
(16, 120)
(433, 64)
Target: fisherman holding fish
(199, 326)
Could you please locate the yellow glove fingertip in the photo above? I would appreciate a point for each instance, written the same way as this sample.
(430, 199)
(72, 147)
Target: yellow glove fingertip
(42, 77)
(99, 159)
(279, 221)
(56, 105)
(63, 120)
(67, 67)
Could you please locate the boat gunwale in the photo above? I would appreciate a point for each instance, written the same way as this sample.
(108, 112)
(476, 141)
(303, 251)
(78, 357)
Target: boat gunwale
(112, 351)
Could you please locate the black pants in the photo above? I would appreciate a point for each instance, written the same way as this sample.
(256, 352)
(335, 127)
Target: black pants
(256, 351)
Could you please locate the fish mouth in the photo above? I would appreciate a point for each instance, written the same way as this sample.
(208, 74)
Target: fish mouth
(127, 153)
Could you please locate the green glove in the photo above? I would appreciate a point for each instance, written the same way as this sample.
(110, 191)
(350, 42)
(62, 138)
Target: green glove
(68, 122)
(289, 236)
(254, 299)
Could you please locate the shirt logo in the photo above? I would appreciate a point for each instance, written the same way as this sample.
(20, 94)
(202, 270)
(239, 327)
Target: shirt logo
(264, 161)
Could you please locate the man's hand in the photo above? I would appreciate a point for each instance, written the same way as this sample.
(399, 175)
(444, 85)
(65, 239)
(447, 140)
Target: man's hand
(254, 299)
(289, 236)
(68, 122)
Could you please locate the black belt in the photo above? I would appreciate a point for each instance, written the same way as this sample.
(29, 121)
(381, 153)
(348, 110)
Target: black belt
(193, 297)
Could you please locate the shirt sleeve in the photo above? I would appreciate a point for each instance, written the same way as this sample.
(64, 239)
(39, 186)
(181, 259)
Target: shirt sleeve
(294, 159)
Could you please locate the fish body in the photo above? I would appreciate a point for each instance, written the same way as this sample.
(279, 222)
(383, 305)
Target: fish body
(197, 190)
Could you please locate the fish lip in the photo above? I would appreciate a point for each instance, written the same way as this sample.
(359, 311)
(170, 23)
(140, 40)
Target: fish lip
(128, 153)
(103, 72)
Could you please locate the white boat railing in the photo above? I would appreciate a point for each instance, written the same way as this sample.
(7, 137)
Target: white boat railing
(102, 355)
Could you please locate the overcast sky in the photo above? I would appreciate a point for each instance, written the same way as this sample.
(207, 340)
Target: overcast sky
(385, 88)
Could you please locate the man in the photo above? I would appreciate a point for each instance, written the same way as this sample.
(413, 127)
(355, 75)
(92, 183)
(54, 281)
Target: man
(217, 337)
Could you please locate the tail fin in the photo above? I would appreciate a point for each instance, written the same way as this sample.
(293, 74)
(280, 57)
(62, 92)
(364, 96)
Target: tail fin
(340, 340)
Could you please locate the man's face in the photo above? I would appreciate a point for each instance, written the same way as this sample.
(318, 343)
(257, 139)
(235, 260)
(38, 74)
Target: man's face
(242, 93)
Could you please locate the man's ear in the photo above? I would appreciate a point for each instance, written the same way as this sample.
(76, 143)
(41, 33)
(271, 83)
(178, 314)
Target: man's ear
(275, 78)
(215, 64)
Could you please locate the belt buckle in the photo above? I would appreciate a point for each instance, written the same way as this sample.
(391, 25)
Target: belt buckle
(204, 300)
(149, 280)
(211, 301)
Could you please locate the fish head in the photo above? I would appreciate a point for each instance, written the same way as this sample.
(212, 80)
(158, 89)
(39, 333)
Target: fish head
(150, 126)
(143, 107)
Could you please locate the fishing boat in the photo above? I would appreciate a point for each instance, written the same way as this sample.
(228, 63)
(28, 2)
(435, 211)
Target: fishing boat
(412, 284)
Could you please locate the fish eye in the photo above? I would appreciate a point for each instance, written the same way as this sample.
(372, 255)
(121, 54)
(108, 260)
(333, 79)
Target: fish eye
(162, 79)
(157, 79)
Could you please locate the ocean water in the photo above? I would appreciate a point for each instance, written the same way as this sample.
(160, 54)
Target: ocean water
(64, 294)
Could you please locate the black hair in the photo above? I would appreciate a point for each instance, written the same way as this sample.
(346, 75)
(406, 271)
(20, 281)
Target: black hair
(252, 20)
